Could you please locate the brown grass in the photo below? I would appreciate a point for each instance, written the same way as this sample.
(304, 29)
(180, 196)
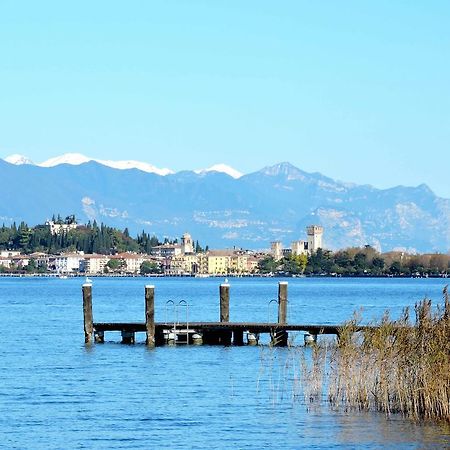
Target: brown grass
(396, 367)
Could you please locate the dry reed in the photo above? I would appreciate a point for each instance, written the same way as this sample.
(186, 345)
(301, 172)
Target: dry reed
(395, 366)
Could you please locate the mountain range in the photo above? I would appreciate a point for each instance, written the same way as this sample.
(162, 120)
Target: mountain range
(221, 207)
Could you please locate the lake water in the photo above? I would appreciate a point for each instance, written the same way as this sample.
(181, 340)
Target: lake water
(56, 393)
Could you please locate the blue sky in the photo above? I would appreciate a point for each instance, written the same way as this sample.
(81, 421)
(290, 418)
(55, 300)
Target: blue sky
(359, 91)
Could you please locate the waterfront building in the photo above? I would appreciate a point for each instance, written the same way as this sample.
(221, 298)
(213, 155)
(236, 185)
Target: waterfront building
(166, 250)
(66, 263)
(5, 262)
(20, 261)
(130, 262)
(8, 253)
(93, 264)
(276, 250)
(186, 264)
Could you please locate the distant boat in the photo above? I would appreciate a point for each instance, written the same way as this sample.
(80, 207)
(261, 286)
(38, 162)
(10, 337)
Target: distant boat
(62, 277)
(226, 280)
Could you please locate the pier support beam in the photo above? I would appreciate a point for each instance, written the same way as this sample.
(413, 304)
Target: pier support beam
(238, 337)
(150, 315)
(127, 337)
(99, 337)
(217, 337)
(87, 313)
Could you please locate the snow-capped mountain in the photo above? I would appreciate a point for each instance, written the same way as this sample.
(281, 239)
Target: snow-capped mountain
(18, 160)
(75, 159)
(222, 168)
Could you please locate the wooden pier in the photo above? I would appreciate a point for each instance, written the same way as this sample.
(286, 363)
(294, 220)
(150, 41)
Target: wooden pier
(223, 332)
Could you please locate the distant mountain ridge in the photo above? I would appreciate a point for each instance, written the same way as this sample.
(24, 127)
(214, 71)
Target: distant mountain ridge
(75, 159)
(275, 203)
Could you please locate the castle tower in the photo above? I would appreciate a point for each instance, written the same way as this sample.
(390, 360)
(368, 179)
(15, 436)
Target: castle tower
(276, 250)
(187, 245)
(299, 247)
(314, 233)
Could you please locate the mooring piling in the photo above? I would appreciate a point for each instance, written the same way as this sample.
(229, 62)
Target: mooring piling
(280, 337)
(150, 315)
(224, 302)
(282, 301)
(87, 312)
(223, 336)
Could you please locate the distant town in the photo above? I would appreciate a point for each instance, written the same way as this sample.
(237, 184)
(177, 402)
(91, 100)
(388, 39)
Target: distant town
(62, 247)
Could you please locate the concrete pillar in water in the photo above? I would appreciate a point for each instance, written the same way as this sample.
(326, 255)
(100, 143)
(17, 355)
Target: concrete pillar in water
(150, 315)
(224, 302)
(87, 312)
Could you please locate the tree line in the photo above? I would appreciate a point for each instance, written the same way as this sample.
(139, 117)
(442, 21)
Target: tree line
(364, 261)
(89, 238)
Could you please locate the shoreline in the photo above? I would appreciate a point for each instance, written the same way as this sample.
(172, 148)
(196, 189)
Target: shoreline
(130, 275)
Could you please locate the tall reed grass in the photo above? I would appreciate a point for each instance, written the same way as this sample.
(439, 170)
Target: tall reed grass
(395, 366)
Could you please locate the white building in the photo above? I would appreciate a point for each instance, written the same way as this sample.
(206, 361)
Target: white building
(5, 262)
(62, 227)
(8, 253)
(67, 263)
(166, 250)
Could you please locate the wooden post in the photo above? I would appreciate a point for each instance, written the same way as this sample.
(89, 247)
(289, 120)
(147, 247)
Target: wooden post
(87, 313)
(282, 302)
(224, 302)
(224, 336)
(280, 337)
(150, 315)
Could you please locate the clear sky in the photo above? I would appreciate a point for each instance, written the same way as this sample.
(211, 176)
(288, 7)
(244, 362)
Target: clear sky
(359, 91)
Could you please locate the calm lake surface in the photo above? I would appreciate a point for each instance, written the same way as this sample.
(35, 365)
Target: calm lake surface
(57, 393)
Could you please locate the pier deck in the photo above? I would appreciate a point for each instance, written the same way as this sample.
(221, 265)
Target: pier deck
(253, 327)
(222, 332)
